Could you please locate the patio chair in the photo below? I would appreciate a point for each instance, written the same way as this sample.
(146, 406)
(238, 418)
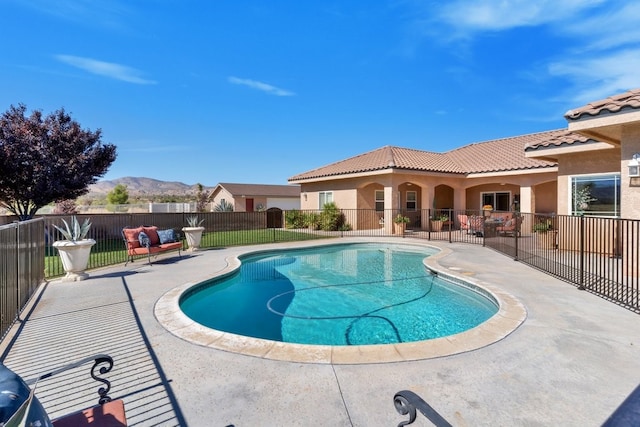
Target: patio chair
(510, 226)
(476, 224)
(18, 402)
(463, 220)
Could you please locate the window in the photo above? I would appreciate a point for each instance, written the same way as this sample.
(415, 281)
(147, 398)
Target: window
(325, 197)
(412, 200)
(379, 200)
(595, 195)
(499, 201)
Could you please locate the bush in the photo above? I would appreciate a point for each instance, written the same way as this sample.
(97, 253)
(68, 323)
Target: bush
(294, 219)
(311, 220)
(331, 219)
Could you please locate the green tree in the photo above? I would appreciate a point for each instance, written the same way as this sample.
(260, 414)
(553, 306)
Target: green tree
(46, 159)
(118, 196)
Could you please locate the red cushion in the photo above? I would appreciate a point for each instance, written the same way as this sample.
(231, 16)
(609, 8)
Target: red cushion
(171, 245)
(110, 414)
(131, 234)
(152, 232)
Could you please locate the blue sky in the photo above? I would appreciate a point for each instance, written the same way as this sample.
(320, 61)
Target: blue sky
(256, 92)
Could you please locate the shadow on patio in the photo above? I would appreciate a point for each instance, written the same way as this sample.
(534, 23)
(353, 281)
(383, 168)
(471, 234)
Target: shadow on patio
(107, 323)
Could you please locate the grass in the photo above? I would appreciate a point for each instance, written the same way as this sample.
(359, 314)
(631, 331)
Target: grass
(112, 251)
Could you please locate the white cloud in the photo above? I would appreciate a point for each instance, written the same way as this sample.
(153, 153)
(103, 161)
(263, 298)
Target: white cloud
(599, 76)
(601, 59)
(104, 13)
(613, 28)
(483, 15)
(264, 87)
(106, 69)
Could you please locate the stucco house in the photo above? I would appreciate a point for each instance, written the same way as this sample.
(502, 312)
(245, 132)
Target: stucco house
(600, 161)
(256, 197)
(536, 173)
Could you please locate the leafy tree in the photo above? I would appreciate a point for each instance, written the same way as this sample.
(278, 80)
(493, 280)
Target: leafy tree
(202, 198)
(47, 159)
(118, 196)
(65, 207)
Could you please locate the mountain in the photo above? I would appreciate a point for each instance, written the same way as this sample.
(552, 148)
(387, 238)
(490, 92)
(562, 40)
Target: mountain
(143, 187)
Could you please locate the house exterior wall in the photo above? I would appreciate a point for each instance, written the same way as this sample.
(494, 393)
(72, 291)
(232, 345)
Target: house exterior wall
(585, 163)
(546, 197)
(450, 192)
(629, 187)
(240, 204)
(223, 194)
(284, 203)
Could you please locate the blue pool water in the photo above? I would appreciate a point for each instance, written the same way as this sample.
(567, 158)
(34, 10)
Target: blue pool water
(353, 294)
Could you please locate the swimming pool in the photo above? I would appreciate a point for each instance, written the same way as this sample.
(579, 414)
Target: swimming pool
(339, 295)
(168, 313)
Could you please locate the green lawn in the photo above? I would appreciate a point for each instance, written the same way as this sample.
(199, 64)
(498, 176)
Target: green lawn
(112, 251)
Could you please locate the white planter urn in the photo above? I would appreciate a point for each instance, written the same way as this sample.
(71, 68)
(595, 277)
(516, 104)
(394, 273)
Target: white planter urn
(193, 235)
(75, 258)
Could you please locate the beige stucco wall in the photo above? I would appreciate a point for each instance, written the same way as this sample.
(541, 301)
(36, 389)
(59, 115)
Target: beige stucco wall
(223, 194)
(629, 187)
(594, 162)
(455, 192)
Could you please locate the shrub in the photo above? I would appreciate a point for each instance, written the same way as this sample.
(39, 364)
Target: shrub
(331, 219)
(311, 220)
(294, 219)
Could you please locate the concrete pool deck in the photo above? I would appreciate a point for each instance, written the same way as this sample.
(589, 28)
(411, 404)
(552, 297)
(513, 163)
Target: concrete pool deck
(574, 359)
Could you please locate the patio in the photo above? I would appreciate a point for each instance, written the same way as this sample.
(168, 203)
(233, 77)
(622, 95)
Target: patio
(572, 362)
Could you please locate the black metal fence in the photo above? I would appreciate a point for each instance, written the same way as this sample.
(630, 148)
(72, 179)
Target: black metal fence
(601, 255)
(21, 267)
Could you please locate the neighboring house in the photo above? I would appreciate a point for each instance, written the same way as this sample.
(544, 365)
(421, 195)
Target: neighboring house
(256, 197)
(541, 172)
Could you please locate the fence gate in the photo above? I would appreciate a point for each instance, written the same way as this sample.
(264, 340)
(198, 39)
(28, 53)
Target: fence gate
(274, 218)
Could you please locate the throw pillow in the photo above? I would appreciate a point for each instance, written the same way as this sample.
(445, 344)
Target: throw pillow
(144, 239)
(152, 232)
(166, 236)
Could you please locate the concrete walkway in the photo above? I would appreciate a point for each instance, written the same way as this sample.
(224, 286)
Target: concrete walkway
(572, 362)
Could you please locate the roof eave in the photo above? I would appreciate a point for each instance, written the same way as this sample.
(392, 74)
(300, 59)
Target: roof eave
(544, 169)
(371, 173)
(605, 126)
(551, 153)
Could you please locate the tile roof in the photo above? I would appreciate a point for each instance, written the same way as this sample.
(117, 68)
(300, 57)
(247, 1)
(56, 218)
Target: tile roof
(560, 138)
(612, 104)
(264, 190)
(505, 154)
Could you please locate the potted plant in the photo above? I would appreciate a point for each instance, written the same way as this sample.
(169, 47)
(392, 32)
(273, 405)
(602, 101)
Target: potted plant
(75, 249)
(545, 235)
(193, 232)
(400, 224)
(438, 221)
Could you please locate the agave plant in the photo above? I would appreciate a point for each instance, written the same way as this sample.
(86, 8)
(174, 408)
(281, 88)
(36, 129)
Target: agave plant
(74, 231)
(193, 221)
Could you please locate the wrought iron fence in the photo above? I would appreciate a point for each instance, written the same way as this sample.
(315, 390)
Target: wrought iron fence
(599, 254)
(21, 272)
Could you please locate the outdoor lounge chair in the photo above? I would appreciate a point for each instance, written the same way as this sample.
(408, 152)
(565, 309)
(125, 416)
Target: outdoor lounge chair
(476, 224)
(472, 224)
(463, 220)
(510, 226)
(148, 240)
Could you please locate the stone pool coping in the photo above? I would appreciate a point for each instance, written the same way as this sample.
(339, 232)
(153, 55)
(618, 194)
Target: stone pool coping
(511, 314)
